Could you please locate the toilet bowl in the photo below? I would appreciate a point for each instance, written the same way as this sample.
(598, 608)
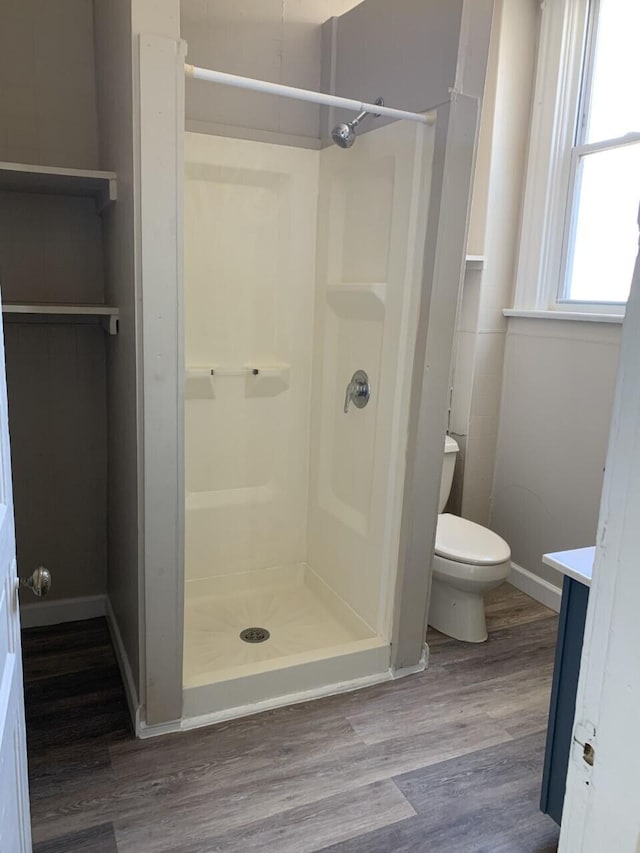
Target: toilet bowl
(468, 561)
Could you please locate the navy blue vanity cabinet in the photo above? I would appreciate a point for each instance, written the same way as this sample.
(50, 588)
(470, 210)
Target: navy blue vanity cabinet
(573, 612)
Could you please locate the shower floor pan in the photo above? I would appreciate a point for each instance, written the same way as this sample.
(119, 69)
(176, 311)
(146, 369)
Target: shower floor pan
(314, 641)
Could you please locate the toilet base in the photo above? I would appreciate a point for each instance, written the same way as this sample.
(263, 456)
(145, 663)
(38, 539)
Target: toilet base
(457, 613)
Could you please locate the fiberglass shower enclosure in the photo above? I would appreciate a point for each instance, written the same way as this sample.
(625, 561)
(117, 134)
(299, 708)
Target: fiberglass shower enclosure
(301, 267)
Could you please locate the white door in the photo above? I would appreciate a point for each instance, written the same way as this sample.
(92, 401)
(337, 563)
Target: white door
(15, 828)
(602, 802)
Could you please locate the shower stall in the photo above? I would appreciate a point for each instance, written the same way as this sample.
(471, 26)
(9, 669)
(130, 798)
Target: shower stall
(302, 272)
(297, 311)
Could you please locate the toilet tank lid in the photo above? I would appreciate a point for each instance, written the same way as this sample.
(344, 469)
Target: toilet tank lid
(467, 542)
(450, 445)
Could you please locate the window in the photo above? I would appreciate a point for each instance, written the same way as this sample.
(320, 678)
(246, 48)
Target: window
(580, 233)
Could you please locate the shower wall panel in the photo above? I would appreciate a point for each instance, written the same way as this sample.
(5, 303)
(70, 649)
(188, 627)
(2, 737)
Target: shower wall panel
(371, 219)
(250, 247)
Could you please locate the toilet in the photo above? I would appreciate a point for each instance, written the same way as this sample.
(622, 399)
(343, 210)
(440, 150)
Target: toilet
(469, 560)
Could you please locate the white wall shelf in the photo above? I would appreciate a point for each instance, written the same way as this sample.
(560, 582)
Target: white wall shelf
(474, 262)
(23, 177)
(106, 314)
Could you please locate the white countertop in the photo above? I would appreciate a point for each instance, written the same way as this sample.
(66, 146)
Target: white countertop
(576, 564)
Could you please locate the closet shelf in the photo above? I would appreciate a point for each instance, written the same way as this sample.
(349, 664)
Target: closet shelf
(474, 262)
(27, 178)
(107, 314)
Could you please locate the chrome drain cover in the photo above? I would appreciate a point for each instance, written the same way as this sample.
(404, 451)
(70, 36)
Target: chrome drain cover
(254, 635)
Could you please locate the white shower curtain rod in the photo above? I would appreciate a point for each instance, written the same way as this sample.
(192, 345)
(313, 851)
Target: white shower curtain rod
(303, 94)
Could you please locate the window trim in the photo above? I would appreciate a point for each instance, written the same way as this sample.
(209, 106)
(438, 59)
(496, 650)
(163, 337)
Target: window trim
(559, 99)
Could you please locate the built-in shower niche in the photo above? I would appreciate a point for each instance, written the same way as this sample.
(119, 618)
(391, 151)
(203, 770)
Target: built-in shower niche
(300, 264)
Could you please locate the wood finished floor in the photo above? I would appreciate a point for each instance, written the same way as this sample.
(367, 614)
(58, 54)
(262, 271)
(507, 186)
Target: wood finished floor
(448, 761)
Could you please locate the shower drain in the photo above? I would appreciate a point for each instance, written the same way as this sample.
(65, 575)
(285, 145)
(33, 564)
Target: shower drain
(254, 635)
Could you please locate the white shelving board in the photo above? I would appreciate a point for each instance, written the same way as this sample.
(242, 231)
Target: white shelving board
(106, 313)
(474, 262)
(26, 178)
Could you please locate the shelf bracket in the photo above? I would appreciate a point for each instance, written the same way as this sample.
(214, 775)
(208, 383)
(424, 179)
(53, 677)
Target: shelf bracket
(104, 198)
(111, 324)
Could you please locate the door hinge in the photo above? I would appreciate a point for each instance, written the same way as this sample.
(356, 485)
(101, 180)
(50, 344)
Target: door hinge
(588, 754)
(585, 735)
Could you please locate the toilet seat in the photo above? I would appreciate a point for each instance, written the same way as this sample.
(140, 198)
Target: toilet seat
(464, 541)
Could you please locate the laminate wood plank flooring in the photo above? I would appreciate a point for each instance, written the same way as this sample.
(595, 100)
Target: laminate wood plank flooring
(447, 761)
(97, 839)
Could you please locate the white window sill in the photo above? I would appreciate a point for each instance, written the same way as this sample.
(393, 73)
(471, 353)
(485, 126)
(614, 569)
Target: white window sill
(581, 316)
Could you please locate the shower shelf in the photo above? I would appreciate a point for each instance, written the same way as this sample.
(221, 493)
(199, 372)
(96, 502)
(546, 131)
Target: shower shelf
(358, 300)
(260, 380)
(272, 370)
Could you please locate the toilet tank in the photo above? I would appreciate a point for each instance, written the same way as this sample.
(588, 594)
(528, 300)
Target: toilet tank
(450, 454)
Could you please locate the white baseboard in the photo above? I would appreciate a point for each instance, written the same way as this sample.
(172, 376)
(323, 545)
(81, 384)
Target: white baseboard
(539, 588)
(47, 612)
(122, 657)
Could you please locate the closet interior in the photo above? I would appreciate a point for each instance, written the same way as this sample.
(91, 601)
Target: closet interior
(61, 302)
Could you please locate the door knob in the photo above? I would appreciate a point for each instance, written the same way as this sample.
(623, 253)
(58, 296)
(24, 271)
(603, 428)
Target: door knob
(39, 582)
(358, 391)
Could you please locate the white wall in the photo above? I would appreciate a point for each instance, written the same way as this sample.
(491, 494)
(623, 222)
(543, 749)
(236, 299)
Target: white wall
(117, 27)
(521, 387)
(114, 72)
(559, 382)
(275, 40)
(250, 252)
(371, 222)
(495, 231)
(158, 108)
(374, 53)
(383, 54)
(480, 193)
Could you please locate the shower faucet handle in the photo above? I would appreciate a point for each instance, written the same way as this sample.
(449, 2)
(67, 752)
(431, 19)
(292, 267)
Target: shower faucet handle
(358, 391)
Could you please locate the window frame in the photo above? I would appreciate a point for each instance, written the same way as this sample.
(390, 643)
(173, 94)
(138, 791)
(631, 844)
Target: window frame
(561, 98)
